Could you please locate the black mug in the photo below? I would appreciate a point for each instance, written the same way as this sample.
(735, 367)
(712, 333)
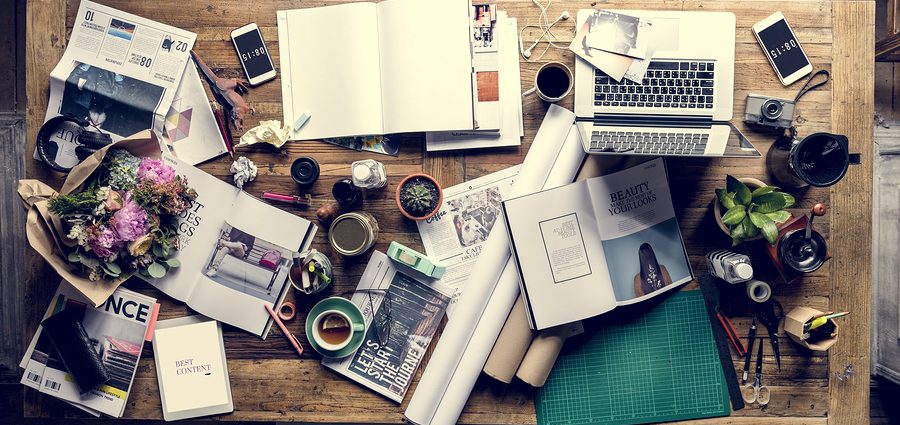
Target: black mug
(820, 159)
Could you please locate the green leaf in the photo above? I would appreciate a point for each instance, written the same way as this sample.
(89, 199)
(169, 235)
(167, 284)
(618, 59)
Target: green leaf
(758, 219)
(779, 216)
(750, 231)
(771, 202)
(760, 191)
(737, 235)
(112, 268)
(74, 257)
(157, 250)
(173, 262)
(788, 200)
(766, 225)
(741, 191)
(156, 270)
(727, 199)
(89, 261)
(734, 215)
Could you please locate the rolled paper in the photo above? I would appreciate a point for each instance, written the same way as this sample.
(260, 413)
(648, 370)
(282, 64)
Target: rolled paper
(553, 160)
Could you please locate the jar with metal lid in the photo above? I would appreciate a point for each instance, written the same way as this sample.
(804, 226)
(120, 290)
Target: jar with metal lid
(368, 174)
(353, 233)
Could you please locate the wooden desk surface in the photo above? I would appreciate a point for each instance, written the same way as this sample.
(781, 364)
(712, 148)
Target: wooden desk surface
(271, 384)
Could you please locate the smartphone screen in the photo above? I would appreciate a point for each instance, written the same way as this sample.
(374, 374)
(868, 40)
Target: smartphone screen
(253, 53)
(783, 48)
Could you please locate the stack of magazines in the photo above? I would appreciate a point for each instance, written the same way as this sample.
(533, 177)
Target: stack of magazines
(117, 329)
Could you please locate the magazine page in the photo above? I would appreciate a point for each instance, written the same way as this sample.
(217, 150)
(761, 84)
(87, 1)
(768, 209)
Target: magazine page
(456, 235)
(191, 132)
(641, 238)
(198, 228)
(398, 333)
(246, 266)
(117, 329)
(559, 255)
(119, 71)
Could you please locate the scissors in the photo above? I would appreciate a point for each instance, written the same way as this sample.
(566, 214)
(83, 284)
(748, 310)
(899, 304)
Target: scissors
(770, 316)
(756, 392)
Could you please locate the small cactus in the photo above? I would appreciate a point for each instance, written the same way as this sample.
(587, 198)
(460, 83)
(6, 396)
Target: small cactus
(418, 197)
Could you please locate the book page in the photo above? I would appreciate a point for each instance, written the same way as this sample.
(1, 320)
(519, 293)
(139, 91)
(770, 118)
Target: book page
(641, 237)
(559, 255)
(189, 365)
(330, 70)
(247, 265)
(426, 65)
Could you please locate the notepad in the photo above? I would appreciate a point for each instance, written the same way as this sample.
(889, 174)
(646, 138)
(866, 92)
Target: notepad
(395, 66)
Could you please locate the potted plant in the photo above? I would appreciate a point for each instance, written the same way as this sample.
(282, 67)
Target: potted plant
(419, 196)
(752, 210)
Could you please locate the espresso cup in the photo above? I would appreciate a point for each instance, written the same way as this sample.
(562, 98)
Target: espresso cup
(327, 342)
(553, 81)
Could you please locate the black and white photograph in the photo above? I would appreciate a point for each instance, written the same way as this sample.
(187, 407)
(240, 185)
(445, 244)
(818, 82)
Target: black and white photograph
(475, 214)
(617, 33)
(483, 23)
(111, 101)
(248, 264)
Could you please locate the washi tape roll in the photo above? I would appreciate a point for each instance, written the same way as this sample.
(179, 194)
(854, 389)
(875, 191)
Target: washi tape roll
(287, 311)
(759, 291)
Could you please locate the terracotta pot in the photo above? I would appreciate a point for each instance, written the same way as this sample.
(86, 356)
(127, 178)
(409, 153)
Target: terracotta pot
(437, 206)
(717, 206)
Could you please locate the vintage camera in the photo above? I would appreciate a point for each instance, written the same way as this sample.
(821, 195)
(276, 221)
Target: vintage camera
(769, 111)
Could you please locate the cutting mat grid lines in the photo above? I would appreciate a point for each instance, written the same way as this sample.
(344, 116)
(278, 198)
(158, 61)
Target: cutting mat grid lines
(660, 366)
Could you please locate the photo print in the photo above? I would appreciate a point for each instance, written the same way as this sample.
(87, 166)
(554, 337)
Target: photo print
(113, 102)
(483, 24)
(475, 214)
(248, 264)
(617, 33)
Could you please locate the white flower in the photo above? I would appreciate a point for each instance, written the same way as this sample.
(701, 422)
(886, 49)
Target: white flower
(77, 233)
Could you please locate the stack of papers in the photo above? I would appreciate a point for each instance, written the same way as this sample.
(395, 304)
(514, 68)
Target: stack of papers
(617, 44)
(499, 102)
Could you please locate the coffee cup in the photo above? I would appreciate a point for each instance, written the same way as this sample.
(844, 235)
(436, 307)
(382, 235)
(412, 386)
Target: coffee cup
(335, 327)
(553, 82)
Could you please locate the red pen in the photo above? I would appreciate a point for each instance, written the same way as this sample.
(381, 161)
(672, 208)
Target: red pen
(290, 199)
(223, 126)
(287, 334)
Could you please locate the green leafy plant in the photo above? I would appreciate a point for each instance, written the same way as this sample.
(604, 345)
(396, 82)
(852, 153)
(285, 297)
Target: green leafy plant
(418, 197)
(750, 213)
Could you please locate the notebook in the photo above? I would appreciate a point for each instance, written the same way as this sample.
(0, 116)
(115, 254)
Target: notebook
(396, 66)
(191, 368)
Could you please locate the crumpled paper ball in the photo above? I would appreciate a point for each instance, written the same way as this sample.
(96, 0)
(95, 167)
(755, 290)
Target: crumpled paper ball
(270, 132)
(244, 171)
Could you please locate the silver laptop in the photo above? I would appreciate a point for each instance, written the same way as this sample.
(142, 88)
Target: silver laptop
(682, 106)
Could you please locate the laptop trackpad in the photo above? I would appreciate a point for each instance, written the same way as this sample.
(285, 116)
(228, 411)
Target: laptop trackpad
(666, 33)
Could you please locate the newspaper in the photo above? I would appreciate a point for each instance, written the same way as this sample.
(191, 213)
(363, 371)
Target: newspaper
(119, 71)
(386, 362)
(456, 234)
(117, 328)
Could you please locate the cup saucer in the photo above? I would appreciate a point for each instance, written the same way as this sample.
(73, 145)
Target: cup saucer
(343, 305)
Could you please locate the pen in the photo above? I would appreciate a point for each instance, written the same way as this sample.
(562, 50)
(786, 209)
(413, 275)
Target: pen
(821, 320)
(290, 336)
(750, 338)
(290, 199)
(223, 126)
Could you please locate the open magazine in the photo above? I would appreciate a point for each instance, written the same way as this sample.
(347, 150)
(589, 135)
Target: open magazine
(235, 253)
(402, 314)
(587, 247)
(456, 234)
(119, 71)
(117, 328)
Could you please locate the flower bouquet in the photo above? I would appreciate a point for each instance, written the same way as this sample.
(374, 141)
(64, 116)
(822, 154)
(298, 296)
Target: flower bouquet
(125, 218)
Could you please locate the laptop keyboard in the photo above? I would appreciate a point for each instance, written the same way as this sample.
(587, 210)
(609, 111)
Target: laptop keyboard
(667, 84)
(649, 143)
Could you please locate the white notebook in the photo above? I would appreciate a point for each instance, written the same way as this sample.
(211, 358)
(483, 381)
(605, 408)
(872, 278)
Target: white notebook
(191, 368)
(396, 66)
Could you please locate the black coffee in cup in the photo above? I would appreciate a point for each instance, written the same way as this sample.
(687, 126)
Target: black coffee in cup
(553, 81)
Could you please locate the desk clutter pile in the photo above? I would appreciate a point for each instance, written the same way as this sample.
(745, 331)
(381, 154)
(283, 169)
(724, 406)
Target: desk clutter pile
(587, 223)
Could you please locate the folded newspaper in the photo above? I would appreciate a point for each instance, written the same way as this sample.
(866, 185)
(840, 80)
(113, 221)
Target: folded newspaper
(402, 314)
(119, 71)
(117, 328)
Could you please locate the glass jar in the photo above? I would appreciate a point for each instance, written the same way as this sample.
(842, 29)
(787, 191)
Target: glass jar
(368, 174)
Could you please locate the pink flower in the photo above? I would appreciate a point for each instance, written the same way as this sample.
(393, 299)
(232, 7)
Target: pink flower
(130, 222)
(103, 241)
(155, 170)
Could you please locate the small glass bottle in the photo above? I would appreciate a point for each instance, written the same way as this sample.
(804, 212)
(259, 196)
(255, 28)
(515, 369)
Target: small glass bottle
(368, 174)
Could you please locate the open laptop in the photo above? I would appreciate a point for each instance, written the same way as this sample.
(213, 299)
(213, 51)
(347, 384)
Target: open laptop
(683, 105)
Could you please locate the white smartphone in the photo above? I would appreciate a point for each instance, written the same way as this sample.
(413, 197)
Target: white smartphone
(780, 45)
(254, 56)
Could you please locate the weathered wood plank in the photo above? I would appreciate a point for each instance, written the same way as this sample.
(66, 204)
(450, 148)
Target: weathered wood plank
(12, 239)
(851, 206)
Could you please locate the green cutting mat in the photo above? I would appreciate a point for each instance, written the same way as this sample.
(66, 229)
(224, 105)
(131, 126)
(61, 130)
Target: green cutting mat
(653, 367)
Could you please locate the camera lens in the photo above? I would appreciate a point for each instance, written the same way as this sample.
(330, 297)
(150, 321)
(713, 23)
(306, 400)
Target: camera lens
(772, 109)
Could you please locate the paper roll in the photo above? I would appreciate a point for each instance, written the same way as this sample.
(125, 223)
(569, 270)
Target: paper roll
(759, 291)
(511, 346)
(553, 159)
(541, 356)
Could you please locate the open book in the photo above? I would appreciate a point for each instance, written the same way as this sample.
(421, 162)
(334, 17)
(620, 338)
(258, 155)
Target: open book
(587, 247)
(375, 68)
(235, 253)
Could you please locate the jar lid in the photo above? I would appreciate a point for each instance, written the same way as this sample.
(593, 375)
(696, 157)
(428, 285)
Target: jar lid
(361, 172)
(305, 170)
(744, 271)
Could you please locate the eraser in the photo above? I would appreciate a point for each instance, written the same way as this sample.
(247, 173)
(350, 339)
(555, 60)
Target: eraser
(301, 121)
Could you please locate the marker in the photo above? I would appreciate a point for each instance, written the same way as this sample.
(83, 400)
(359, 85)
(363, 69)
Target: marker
(821, 320)
(303, 200)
